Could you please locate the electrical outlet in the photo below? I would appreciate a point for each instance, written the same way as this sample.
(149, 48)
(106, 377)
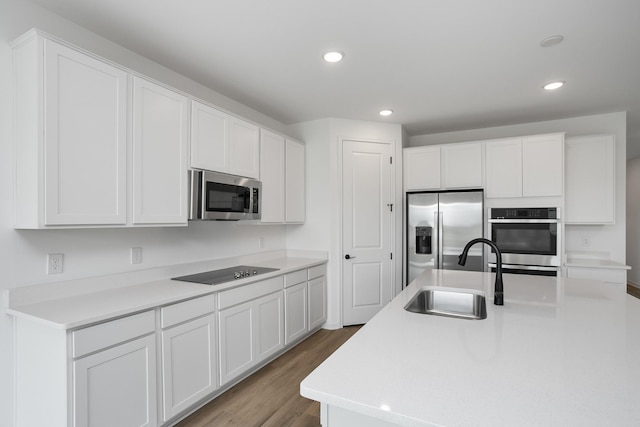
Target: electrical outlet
(136, 255)
(55, 263)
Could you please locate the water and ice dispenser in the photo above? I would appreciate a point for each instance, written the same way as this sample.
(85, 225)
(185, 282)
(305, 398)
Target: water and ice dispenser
(423, 240)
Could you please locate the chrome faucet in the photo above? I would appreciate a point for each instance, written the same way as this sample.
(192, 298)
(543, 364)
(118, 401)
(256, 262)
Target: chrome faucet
(498, 298)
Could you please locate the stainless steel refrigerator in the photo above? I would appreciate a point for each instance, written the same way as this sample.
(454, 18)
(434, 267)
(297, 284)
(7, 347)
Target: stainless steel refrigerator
(439, 225)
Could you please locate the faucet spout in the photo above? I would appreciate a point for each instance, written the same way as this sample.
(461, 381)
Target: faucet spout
(498, 298)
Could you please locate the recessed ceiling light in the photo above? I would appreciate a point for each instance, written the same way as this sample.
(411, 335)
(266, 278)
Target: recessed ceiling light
(386, 112)
(552, 41)
(333, 56)
(553, 85)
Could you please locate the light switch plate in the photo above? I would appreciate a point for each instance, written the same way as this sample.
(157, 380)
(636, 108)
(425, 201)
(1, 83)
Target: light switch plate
(136, 255)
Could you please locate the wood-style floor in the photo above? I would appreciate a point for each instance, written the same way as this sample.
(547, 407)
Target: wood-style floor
(271, 396)
(632, 290)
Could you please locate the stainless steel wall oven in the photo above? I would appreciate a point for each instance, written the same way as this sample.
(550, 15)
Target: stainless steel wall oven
(529, 239)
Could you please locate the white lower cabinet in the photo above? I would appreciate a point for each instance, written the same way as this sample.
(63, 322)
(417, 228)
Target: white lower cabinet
(317, 302)
(114, 379)
(189, 357)
(237, 352)
(250, 326)
(317, 291)
(305, 300)
(296, 319)
(607, 275)
(150, 368)
(117, 387)
(270, 327)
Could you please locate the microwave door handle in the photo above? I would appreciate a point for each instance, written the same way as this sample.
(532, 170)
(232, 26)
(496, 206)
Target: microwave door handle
(200, 204)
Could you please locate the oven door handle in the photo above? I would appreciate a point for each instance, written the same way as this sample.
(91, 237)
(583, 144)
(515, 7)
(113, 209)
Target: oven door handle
(524, 267)
(525, 221)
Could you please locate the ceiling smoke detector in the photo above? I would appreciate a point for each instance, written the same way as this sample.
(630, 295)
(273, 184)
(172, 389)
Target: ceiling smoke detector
(552, 41)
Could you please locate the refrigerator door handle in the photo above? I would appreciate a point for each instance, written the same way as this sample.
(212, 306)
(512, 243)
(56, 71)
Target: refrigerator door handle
(440, 241)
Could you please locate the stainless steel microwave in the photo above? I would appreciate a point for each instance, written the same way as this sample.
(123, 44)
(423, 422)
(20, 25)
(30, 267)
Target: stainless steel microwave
(219, 196)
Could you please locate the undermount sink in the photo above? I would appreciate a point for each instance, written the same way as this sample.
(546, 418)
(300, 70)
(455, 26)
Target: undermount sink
(459, 304)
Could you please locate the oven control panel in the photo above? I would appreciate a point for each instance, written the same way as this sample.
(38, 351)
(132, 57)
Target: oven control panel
(524, 213)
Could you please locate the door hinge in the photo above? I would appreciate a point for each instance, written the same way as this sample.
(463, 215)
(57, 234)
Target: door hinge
(391, 160)
(391, 254)
(390, 206)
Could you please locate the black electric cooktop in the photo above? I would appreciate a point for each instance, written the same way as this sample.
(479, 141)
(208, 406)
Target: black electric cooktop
(217, 277)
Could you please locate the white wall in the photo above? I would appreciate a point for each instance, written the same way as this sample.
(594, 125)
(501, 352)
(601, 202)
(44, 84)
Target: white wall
(322, 229)
(633, 220)
(101, 251)
(608, 240)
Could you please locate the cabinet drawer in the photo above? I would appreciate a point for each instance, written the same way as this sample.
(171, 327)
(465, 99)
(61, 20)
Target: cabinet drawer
(88, 340)
(295, 278)
(248, 292)
(317, 271)
(603, 274)
(183, 311)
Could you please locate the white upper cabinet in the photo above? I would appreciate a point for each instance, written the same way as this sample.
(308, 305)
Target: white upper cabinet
(282, 172)
(71, 137)
(295, 201)
(272, 175)
(244, 148)
(160, 120)
(223, 143)
(442, 167)
(504, 168)
(532, 166)
(209, 138)
(422, 168)
(543, 165)
(590, 180)
(462, 165)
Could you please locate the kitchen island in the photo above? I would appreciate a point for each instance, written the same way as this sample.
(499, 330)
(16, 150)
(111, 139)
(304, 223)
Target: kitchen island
(560, 352)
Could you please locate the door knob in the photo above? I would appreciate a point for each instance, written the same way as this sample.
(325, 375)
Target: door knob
(347, 256)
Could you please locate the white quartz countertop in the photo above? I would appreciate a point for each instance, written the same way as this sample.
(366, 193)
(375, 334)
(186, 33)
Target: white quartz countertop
(82, 309)
(560, 352)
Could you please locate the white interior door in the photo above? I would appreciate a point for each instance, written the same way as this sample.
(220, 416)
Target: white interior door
(367, 230)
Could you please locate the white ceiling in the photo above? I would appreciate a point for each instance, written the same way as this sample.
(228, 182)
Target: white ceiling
(440, 65)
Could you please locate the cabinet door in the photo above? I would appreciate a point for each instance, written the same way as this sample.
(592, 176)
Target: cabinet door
(421, 168)
(295, 312)
(317, 302)
(117, 387)
(188, 364)
(272, 175)
(85, 139)
(543, 165)
(295, 182)
(462, 166)
(159, 155)
(590, 173)
(504, 168)
(236, 342)
(209, 138)
(269, 325)
(244, 148)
